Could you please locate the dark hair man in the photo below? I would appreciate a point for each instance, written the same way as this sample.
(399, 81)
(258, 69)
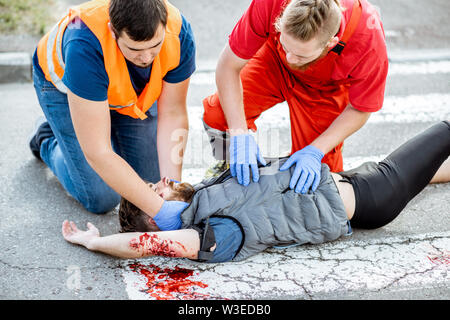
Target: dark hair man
(112, 79)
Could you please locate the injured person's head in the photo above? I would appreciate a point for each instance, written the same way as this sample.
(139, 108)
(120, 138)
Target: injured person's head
(133, 219)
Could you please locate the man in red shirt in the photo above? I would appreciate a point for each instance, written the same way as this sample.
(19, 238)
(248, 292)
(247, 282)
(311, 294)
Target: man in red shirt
(326, 58)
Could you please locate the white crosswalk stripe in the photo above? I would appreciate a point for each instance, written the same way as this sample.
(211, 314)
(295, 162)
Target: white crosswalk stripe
(419, 68)
(206, 75)
(403, 109)
(307, 271)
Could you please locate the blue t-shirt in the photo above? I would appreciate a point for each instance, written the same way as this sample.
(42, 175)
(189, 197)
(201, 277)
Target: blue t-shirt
(85, 74)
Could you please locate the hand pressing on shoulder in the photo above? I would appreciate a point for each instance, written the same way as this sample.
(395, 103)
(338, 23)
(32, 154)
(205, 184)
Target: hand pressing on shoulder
(307, 170)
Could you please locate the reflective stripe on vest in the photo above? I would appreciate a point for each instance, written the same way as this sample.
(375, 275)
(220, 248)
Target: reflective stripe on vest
(54, 44)
(121, 94)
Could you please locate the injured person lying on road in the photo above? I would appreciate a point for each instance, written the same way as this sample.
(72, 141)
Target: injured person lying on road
(226, 221)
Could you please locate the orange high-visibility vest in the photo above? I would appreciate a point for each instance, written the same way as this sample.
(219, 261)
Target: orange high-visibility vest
(121, 95)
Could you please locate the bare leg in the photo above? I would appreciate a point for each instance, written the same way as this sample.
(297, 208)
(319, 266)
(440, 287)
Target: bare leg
(347, 194)
(443, 174)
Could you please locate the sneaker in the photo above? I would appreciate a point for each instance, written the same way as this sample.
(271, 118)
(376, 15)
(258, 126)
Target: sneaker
(216, 169)
(41, 132)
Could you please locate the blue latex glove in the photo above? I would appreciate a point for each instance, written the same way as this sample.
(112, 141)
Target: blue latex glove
(307, 169)
(168, 217)
(244, 154)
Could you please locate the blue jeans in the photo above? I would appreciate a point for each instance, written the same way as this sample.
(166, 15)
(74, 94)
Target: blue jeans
(132, 139)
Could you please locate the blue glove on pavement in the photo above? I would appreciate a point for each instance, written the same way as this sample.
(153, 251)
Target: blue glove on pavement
(307, 169)
(168, 217)
(244, 153)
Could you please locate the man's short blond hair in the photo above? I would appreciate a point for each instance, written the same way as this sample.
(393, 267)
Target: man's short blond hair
(306, 19)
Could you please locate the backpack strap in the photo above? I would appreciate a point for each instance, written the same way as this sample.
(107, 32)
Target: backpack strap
(350, 28)
(207, 240)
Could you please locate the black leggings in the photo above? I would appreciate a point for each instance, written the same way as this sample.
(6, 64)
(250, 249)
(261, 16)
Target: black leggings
(383, 189)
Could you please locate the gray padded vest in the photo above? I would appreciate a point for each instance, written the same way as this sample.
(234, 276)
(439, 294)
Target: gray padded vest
(269, 212)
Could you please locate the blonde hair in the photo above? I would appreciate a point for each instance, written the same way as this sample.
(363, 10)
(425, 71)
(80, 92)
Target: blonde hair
(306, 19)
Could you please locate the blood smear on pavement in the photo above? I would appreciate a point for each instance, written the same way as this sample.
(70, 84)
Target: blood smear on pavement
(169, 284)
(440, 259)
